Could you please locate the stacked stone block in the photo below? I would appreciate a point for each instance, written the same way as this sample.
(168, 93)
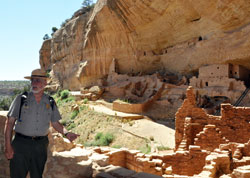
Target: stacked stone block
(210, 138)
(134, 160)
(233, 123)
(4, 163)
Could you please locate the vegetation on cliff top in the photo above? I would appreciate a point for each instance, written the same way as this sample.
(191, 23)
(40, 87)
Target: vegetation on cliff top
(87, 5)
(9, 90)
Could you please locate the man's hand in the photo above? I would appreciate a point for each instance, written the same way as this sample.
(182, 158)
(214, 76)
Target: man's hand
(8, 130)
(9, 152)
(71, 136)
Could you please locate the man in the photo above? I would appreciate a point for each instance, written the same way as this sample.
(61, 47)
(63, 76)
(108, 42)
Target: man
(28, 151)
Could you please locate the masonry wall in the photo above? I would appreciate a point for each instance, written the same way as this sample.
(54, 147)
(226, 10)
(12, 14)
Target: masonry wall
(182, 162)
(233, 123)
(4, 163)
(137, 108)
(227, 84)
(224, 70)
(214, 70)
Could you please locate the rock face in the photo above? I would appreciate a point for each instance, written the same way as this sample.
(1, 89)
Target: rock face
(148, 36)
(45, 55)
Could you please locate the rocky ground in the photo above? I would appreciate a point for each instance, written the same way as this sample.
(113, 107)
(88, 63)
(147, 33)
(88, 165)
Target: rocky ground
(129, 131)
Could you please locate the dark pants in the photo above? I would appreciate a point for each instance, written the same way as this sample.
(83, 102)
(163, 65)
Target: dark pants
(29, 156)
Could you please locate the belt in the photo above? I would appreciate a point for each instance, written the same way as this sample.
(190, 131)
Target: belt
(30, 137)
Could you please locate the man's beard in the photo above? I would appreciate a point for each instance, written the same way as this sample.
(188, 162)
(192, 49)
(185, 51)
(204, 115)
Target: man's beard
(36, 91)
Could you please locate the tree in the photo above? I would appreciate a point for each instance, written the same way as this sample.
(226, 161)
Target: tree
(46, 37)
(87, 3)
(54, 29)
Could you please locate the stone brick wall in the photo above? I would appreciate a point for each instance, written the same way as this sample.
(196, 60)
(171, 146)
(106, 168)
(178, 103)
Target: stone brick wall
(214, 70)
(181, 162)
(4, 163)
(221, 80)
(138, 107)
(210, 138)
(224, 71)
(233, 124)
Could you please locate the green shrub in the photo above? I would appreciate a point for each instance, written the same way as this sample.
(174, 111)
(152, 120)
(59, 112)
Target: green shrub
(87, 144)
(74, 114)
(85, 100)
(69, 99)
(146, 149)
(63, 122)
(105, 140)
(59, 102)
(5, 103)
(162, 148)
(48, 73)
(71, 126)
(64, 94)
(98, 136)
(64, 22)
(101, 140)
(58, 93)
(82, 108)
(117, 146)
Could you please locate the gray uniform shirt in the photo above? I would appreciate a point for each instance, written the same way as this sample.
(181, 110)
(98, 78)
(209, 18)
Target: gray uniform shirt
(35, 117)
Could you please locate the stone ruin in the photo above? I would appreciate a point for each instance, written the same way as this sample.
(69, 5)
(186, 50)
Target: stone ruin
(207, 146)
(225, 138)
(159, 95)
(225, 81)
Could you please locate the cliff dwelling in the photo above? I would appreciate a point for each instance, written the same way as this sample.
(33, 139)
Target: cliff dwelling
(221, 83)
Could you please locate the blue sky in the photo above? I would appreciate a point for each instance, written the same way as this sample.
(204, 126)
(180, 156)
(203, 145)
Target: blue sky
(22, 27)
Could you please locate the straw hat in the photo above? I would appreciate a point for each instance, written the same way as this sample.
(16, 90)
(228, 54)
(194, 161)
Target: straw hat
(37, 73)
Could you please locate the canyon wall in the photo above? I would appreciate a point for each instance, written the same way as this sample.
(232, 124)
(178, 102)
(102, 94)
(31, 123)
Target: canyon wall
(147, 36)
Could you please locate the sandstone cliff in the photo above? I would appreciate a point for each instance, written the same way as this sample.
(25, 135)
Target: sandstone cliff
(148, 36)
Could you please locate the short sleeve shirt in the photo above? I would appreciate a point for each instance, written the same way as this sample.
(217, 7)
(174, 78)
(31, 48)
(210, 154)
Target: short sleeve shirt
(35, 117)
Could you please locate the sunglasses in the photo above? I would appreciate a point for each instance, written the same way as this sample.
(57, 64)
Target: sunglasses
(36, 80)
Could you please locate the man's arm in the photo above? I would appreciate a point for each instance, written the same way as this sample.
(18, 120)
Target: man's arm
(59, 128)
(8, 130)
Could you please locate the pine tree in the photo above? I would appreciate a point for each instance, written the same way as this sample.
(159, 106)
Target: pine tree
(46, 37)
(87, 3)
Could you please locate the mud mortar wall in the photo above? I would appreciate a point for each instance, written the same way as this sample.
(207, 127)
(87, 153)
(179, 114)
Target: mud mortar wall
(233, 123)
(4, 163)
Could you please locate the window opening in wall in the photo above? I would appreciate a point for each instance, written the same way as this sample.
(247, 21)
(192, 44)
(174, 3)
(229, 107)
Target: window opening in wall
(212, 73)
(144, 53)
(218, 68)
(235, 72)
(200, 38)
(207, 84)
